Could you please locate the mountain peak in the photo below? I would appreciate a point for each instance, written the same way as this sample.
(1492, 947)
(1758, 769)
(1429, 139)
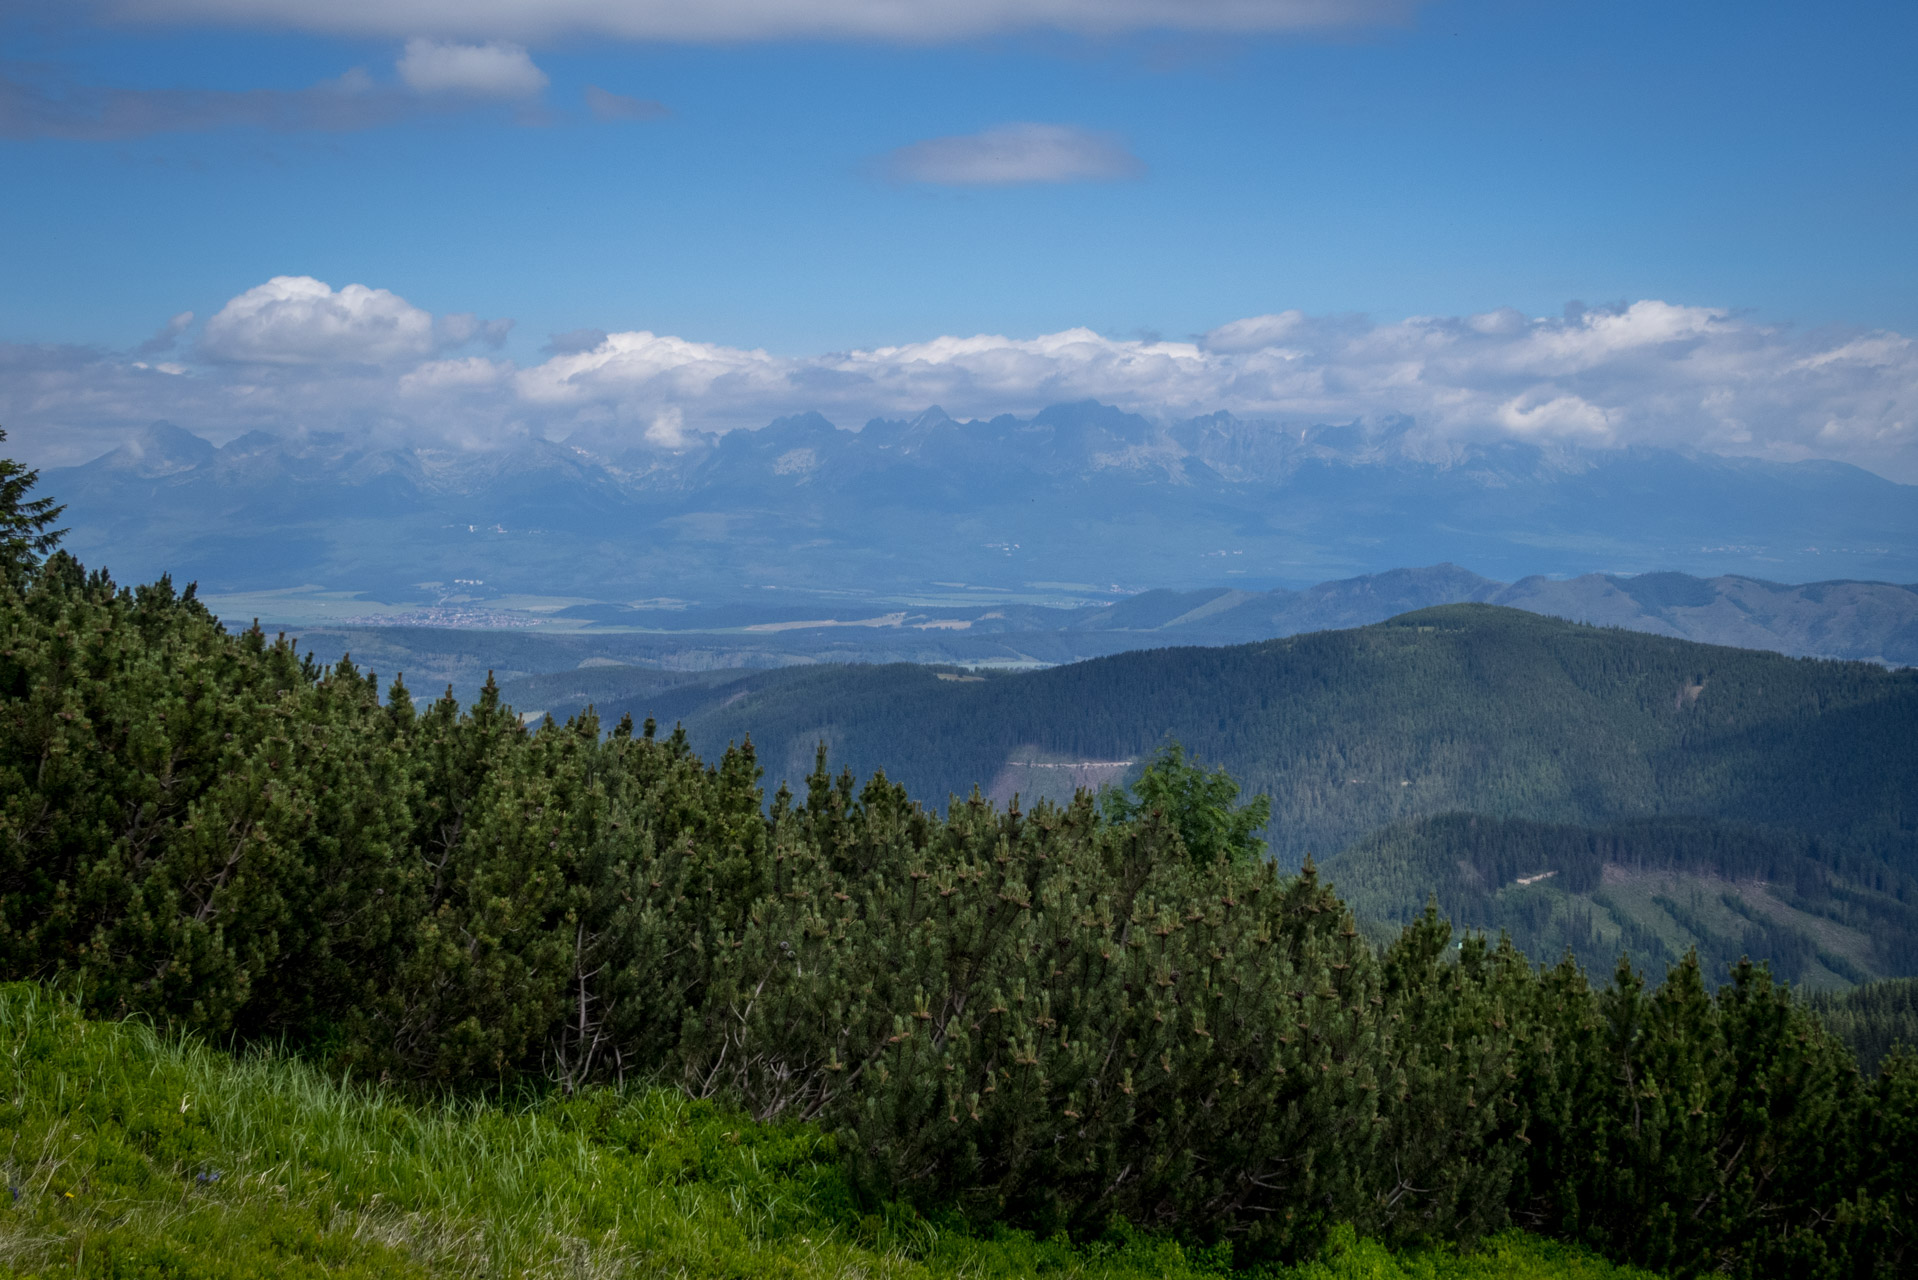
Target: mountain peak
(162, 449)
(1091, 413)
(811, 422)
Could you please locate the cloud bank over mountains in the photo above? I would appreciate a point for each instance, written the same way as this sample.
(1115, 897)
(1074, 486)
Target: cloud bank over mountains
(295, 353)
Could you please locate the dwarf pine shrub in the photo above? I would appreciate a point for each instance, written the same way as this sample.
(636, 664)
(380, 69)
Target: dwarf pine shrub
(1064, 1018)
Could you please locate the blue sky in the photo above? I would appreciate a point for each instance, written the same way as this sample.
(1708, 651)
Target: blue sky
(1442, 159)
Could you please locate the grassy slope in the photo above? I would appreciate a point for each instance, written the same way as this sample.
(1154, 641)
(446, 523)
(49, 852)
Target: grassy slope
(130, 1157)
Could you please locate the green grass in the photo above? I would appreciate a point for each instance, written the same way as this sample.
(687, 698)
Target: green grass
(1511, 1256)
(132, 1157)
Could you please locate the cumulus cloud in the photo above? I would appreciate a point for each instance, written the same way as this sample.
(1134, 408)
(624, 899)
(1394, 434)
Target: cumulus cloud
(297, 320)
(1256, 333)
(1014, 155)
(906, 21)
(294, 352)
(490, 70)
(607, 105)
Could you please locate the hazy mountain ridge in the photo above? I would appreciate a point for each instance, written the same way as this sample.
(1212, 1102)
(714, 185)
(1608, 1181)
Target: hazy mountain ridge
(1873, 621)
(1869, 621)
(1849, 620)
(1078, 494)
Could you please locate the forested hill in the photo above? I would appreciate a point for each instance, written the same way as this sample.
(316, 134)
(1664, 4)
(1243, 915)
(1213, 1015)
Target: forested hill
(1652, 888)
(1470, 708)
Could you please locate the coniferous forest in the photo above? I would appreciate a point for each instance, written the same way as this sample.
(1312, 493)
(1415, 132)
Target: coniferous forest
(1576, 786)
(1052, 1018)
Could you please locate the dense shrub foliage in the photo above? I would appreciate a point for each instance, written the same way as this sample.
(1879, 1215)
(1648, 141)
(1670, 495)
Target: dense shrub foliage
(1057, 1018)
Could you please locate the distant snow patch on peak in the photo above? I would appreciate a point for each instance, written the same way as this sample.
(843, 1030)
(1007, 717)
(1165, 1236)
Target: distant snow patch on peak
(796, 462)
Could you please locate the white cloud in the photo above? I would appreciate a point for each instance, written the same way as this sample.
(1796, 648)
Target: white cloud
(668, 428)
(438, 377)
(1539, 413)
(294, 352)
(1015, 154)
(491, 70)
(297, 320)
(649, 371)
(1255, 333)
(904, 21)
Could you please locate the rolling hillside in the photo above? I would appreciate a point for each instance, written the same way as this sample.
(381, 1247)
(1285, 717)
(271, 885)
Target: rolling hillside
(1467, 708)
(1759, 767)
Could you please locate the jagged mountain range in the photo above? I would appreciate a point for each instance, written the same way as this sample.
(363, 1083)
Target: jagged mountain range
(1080, 501)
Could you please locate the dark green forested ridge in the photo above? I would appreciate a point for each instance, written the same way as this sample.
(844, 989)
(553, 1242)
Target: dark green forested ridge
(1652, 887)
(1464, 708)
(1052, 1017)
(1758, 804)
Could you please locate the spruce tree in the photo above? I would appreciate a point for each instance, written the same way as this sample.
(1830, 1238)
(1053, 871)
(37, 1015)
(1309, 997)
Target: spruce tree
(26, 523)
